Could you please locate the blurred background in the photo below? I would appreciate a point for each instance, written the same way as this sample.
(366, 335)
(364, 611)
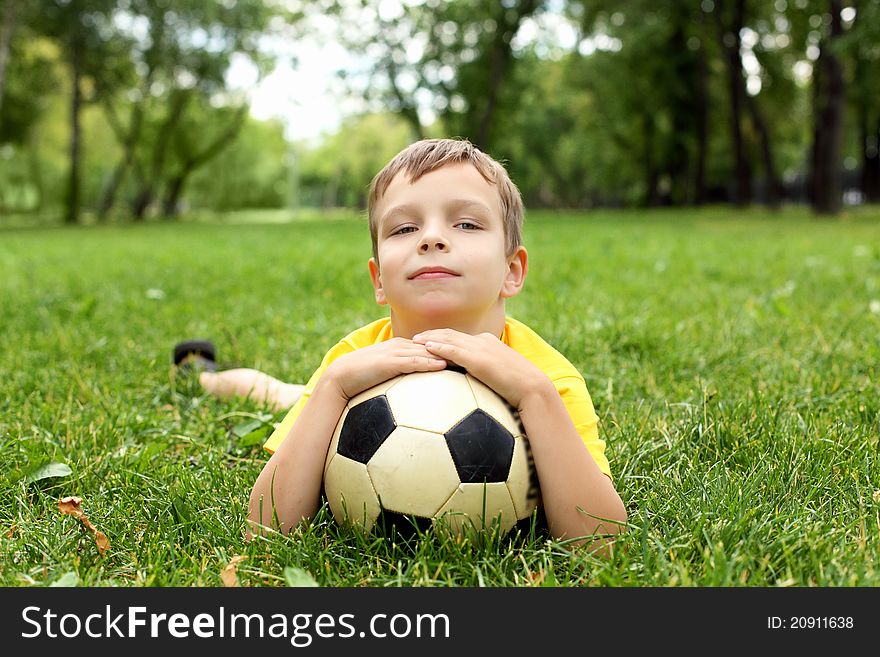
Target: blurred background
(145, 110)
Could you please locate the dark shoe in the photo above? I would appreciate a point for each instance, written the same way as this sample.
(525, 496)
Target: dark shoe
(193, 356)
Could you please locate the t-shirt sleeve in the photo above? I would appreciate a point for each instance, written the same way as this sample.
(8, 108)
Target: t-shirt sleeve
(285, 425)
(283, 429)
(576, 398)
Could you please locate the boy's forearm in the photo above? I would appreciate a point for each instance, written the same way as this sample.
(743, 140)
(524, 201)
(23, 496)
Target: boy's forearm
(578, 498)
(289, 486)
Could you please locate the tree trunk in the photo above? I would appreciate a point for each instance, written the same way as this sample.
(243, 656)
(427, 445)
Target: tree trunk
(108, 195)
(871, 163)
(825, 180)
(406, 109)
(701, 112)
(406, 106)
(730, 45)
(128, 140)
(774, 185)
(500, 60)
(72, 197)
(173, 192)
(508, 23)
(652, 175)
(152, 178)
(142, 202)
(175, 185)
(7, 27)
(36, 170)
(683, 124)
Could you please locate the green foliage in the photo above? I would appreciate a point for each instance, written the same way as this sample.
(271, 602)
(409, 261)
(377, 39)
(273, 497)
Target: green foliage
(731, 356)
(338, 172)
(634, 108)
(30, 79)
(252, 172)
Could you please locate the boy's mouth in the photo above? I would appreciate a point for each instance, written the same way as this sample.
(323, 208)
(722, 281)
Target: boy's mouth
(431, 273)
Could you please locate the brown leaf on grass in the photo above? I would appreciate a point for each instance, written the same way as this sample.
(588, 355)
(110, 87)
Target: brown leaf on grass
(101, 540)
(12, 530)
(228, 574)
(72, 506)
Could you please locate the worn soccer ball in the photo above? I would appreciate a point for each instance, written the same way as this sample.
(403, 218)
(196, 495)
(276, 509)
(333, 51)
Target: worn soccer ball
(440, 447)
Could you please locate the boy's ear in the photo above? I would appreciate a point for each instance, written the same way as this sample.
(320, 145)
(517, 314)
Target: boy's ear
(517, 268)
(376, 277)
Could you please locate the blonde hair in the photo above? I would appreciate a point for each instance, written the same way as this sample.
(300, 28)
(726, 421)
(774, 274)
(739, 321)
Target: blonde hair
(427, 155)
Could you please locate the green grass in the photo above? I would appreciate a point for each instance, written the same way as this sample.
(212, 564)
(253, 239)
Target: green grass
(732, 358)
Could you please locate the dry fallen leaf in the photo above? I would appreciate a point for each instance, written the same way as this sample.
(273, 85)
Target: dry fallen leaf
(101, 540)
(72, 506)
(12, 530)
(228, 574)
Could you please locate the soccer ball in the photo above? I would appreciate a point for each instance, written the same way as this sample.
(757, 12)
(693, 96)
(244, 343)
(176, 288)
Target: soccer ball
(431, 446)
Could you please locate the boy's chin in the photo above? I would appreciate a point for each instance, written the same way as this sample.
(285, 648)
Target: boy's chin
(436, 312)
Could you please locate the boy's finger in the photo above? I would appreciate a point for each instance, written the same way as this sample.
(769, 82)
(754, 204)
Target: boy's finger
(422, 363)
(416, 349)
(448, 351)
(444, 336)
(439, 335)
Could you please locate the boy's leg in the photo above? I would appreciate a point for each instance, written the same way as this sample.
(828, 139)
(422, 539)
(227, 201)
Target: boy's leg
(253, 384)
(199, 356)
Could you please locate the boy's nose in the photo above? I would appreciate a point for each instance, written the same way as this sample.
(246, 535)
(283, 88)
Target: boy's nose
(433, 242)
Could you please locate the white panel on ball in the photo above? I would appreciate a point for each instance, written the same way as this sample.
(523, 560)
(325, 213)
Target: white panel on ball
(375, 391)
(433, 401)
(350, 492)
(464, 510)
(413, 472)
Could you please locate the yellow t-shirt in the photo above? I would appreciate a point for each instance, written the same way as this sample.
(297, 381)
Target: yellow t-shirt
(516, 335)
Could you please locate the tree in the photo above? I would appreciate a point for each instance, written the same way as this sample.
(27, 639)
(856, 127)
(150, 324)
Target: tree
(253, 171)
(649, 67)
(450, 58)
(829, 101)
(27, 69)
(9, 15)
(339, 171)
(859, 47)
(180, 68)
(198, 138)
(481, 52)
(729, 33)
(82, 30)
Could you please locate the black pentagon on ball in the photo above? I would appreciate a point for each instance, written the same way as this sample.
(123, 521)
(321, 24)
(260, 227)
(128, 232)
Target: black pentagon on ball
(481, 448)
(406, 527)
(366, 427)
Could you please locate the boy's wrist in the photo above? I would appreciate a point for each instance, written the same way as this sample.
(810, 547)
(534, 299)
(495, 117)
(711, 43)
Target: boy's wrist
(332, 380)
(539, 390)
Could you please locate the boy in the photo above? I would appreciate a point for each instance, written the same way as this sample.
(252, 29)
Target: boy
(446, 223)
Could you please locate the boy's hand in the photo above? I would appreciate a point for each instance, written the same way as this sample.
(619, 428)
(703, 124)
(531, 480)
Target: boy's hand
(370, 366)
(506, 371)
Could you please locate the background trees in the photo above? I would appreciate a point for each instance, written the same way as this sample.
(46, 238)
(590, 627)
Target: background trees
(127, 108)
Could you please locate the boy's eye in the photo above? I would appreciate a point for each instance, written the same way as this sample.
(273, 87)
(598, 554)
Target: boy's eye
(403, 229)
(467, 225)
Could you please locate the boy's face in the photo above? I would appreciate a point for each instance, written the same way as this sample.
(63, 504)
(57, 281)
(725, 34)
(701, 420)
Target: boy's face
(441, 249)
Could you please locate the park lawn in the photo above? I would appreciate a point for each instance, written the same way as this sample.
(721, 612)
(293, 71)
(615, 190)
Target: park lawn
(732, 358)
